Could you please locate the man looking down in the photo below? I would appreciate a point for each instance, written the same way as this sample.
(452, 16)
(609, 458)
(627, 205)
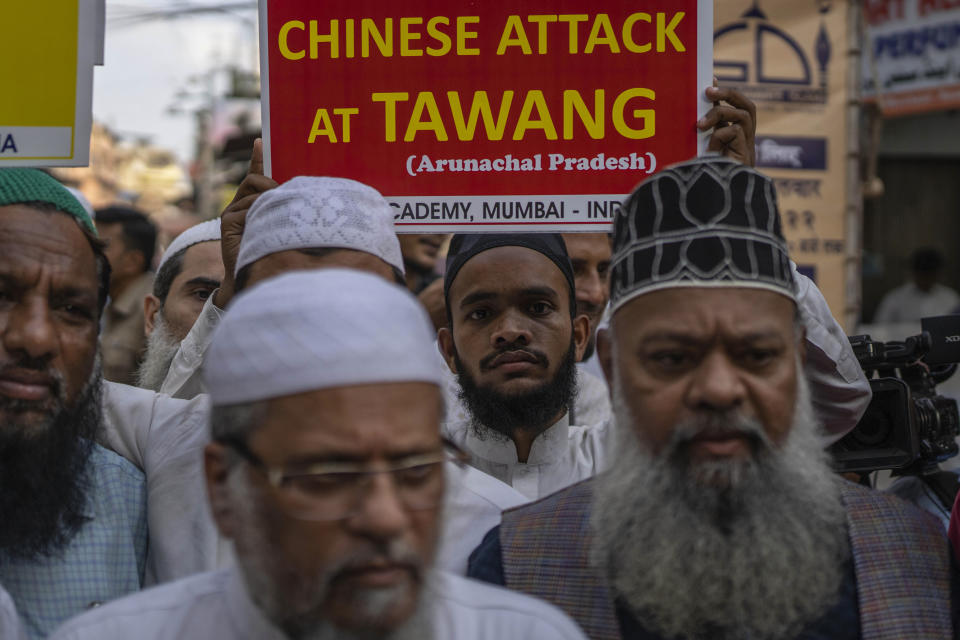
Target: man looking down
(329, 480)
(303, 224)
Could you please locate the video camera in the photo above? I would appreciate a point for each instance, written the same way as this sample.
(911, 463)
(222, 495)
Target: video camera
(907, 427)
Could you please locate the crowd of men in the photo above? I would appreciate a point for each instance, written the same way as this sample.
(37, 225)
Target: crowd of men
(560, 437)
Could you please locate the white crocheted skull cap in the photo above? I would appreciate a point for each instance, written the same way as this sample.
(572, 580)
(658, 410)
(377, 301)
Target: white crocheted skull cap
(313, 213)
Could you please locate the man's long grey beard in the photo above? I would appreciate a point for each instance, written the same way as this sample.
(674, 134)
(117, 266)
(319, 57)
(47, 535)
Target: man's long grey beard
(293, 601)
(753, 550)
(162, 346)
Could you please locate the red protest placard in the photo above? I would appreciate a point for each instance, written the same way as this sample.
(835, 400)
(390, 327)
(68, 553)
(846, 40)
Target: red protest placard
(485, 116)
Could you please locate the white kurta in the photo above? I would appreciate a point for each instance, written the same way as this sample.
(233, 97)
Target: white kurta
(216, 605)
(183, 377)
(838, 387)
(907, 303)
(474, 503)
(591, 407)
(592, 364)
(559, 457)
(165, 437)
(9, 622)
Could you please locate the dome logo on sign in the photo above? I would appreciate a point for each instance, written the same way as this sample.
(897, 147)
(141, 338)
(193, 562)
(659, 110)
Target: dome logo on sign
(772, 66)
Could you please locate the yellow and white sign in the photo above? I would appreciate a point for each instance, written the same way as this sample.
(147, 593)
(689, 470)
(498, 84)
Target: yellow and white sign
(47, 55)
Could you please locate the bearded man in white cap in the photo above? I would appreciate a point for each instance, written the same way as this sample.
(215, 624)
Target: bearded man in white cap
(190, 270)
(307, 223)
(329, 479)
(720, 516)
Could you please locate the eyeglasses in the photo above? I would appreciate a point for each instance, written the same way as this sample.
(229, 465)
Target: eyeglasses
(329, 491)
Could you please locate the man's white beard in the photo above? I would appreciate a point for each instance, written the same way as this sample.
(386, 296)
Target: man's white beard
(293, 601)
(162, 346)
(727, 550)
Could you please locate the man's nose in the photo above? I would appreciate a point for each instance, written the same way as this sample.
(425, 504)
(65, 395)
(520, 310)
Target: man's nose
(592, 289)
(511, 327)
(717, 385)
(30, 329)
(381, 514)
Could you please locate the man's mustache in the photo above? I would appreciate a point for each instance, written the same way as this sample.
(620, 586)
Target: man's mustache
(535, 355)
(718, 425)
(34, 371)
(396, 554)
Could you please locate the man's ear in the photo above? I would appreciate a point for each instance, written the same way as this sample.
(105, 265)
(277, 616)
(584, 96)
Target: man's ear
(217, 472)
(581, 335)
(151, 304)
(447, 348)
(605, 355)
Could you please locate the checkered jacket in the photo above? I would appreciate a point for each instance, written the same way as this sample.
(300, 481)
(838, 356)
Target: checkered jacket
(900, 557)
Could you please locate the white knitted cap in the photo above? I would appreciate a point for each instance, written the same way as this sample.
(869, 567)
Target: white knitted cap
(308, 330)
(204, 232)
(312, 213)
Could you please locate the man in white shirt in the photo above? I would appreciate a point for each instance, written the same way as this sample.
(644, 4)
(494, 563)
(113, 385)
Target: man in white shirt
(510, 295)
(308, 223)
(165, 436)
(923, 296)
(513, 339)
(590, 256)
(328, 479)
(190, 270)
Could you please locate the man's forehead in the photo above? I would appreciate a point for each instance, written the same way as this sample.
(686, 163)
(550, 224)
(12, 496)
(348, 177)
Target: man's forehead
(507, 269)
(43, 238)
(356, 420)
(203, 255)
(693, 310)
(289, 260)
(588, 246)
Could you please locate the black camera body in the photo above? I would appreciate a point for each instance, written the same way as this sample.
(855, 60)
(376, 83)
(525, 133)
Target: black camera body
(907, 427)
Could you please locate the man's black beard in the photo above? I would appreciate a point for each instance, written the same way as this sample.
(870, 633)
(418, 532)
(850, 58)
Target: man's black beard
(44, 473)
(532, 411)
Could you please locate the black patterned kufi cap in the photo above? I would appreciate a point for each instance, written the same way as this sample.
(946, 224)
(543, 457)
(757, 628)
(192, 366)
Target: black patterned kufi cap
(708, 222)
(465, 246)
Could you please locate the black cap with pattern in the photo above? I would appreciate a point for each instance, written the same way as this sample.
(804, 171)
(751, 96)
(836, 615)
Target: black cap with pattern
(708, 222)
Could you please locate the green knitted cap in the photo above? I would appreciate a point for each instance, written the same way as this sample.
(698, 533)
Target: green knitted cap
(19, 185)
